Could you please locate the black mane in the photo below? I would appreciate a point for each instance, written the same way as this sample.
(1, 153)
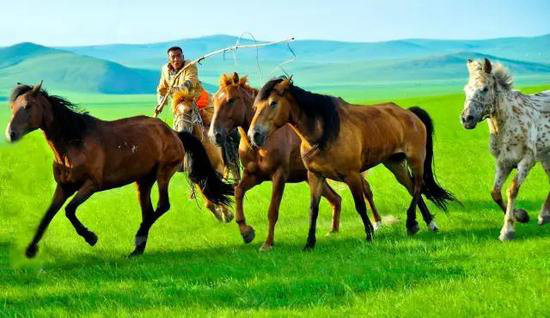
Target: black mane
(316, 107)
(71, 123)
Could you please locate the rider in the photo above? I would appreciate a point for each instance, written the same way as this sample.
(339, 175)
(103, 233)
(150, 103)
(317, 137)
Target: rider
(188, 79)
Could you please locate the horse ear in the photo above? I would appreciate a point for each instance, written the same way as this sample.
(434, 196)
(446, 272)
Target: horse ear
(283, 86)
(235, 78)
(243, 80)
(487, 66)
(36, 88)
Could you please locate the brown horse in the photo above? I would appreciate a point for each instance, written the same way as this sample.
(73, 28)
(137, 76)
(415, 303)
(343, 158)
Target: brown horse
(184, 108)
(340, 140)
(278, 160)
(92, 155)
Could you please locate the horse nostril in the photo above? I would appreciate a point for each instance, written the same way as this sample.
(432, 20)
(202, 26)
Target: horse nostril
(257, 138)
(469, 118)
(12, 135)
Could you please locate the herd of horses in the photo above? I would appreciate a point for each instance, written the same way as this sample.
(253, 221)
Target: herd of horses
(287, 134)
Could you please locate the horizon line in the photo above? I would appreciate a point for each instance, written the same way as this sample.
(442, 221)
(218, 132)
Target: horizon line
(260, 41)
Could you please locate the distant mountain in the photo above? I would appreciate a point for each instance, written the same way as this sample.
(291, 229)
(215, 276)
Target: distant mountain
(327, 66)
(533, 49)
(30, 63)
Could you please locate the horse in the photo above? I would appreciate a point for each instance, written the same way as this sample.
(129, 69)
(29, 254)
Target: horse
(278, 160)
(188, 117)
(340, 140)
(92, 155)
(519, 127)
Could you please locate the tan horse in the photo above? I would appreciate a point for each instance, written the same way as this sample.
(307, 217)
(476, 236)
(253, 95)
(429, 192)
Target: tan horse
(92, 155)
(186, 119)
(340, 140)
(278, 160)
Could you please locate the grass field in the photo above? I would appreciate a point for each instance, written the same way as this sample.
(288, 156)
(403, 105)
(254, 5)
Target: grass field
(195, 266)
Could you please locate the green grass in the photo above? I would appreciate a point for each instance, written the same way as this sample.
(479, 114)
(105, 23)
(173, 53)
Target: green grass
(196, 266)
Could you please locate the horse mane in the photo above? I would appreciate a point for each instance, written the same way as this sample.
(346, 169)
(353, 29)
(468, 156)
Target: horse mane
(502, 76)
(317, 107)
(500, 72)
(72, 122)
(226, 80)
(180, 96)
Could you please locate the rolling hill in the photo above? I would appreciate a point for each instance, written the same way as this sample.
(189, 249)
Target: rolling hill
(63, 70)
(415, 66)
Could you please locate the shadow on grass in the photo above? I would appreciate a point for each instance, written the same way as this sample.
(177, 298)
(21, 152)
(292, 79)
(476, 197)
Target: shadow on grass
(237, 277)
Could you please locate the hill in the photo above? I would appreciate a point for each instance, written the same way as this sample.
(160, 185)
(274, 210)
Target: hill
(64, 70)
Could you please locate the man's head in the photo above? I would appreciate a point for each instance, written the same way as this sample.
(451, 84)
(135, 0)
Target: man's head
(175, 57)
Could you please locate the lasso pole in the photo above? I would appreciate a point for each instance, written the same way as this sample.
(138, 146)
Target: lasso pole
(160, 106)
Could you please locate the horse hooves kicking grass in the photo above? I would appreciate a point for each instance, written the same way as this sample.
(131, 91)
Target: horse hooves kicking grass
(93, 155)
(249, 235)
(507, 236)
(91, 238)
(521, 216)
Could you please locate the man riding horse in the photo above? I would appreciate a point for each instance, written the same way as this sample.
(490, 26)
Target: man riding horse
(200, 113)
(188, 80)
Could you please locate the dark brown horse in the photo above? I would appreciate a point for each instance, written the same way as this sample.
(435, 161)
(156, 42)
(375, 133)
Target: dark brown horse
(278, 160)
(92, 155)
(340, 140)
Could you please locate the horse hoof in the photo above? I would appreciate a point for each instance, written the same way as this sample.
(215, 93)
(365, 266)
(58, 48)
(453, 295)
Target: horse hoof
(507, 236)
(266, 247)
(544, 219)
(521, 216)
(369, 237)
(433, 226)
(135, 253)
(309, 247)
(249, 235)
(377, 225)
(91, 238)
(31, 251)
(332, 232)
(413, 229)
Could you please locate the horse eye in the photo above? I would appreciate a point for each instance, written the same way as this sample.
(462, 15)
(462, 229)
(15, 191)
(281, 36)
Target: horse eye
(273, 104)
(485, 89)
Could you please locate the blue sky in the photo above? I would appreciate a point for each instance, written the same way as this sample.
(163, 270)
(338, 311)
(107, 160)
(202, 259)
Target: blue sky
(64, 23)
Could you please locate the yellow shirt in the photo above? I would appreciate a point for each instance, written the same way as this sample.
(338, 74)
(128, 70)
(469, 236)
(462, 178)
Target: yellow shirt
(189, 74)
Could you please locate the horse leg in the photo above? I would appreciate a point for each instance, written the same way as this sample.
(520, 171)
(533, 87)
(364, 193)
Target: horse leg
(356, 184)
(544, 216)
(277, 191)
(336, 203)
(416, 165)
(248, 181)
(163, 205)
(507, 232)
(502, 173)
(370, 199)
(83, 194)
(402, 175)
(144, 193)
(59, 197)
(315, 187)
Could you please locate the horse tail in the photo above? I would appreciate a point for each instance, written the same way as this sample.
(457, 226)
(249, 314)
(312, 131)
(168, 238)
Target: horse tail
(202, 173)
(431, 188)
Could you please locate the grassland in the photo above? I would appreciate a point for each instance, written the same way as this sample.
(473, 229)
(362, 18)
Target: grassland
(195, 266)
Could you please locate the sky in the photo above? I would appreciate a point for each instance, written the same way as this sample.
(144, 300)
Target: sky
(73, 23)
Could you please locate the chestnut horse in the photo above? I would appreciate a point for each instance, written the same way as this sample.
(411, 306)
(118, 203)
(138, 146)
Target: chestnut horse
(92, 155)
(278, 160)
(184, 108)
(340, 140)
